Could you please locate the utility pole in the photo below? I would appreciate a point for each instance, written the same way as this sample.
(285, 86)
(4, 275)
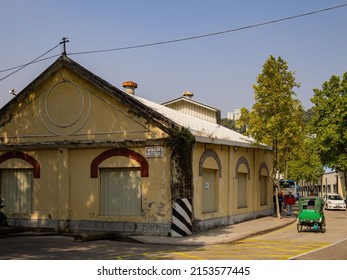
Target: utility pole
(64, 41)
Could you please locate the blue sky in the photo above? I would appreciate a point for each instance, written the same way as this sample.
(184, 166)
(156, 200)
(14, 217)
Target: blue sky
(219, 70)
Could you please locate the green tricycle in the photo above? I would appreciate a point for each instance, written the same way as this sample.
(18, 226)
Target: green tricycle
(311, 214)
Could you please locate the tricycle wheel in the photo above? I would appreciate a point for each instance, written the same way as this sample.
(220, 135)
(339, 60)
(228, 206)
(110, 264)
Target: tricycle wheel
(299, 227)
(322, 226)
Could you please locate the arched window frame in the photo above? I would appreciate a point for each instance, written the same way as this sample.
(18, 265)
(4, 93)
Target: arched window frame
(243, 160)
(20, 155)
(210, 153)
(119, 152)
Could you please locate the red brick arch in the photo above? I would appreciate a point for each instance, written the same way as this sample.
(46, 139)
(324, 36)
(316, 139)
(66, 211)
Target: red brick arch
(15, 154)
(118, 152)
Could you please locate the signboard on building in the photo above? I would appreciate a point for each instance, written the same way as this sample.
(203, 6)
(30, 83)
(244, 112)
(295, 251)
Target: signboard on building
(155, 151)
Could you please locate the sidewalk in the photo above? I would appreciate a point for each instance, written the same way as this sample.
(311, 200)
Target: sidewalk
(225, 234)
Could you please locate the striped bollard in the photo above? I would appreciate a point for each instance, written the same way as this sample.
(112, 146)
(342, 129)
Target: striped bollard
(181, 218)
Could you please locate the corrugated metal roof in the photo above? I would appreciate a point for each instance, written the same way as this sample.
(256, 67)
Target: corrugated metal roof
(204, 131)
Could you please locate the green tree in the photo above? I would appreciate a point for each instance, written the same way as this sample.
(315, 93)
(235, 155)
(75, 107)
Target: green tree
(328, 125)
(276, 116)
(305, 164)
(228, 123)
(231, 124)
(307, 116)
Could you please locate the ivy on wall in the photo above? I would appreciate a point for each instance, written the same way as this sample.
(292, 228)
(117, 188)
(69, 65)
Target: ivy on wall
(181, 142)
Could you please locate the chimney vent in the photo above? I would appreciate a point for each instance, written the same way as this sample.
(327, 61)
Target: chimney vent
(188, 94)
(130, 87)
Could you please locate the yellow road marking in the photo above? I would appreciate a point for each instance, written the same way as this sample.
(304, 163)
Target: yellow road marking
(248, 249)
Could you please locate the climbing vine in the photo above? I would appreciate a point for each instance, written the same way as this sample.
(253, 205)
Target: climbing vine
(181, 142)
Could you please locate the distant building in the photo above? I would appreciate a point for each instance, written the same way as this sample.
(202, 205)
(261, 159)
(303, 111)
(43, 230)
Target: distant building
(234, 115)
(331, 182)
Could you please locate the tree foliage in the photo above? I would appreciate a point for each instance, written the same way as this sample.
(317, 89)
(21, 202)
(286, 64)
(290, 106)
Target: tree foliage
(231, 124)
(228, 123)
(276, 116)
(329, 122)
(305, 164)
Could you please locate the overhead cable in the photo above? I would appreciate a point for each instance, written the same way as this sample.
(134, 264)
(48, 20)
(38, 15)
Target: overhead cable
(26, 64)
(168, 41)
(211, 34)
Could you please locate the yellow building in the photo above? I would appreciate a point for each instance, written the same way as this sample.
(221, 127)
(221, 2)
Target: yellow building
(330, 182)
(77, 153)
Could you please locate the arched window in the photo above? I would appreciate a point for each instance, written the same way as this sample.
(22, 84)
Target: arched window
(16, 184)
(263, 183)
(242, 172)
(120, 187)
(210, 168)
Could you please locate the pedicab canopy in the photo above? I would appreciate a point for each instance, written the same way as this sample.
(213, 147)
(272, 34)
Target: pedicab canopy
(310, 206)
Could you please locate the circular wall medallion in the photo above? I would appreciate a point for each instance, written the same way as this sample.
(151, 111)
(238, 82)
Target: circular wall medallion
(64, 108)
(64, 104)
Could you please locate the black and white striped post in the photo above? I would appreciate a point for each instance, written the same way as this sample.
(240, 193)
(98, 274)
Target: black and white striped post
(181, 218)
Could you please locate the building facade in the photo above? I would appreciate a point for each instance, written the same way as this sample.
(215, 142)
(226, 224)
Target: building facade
(331, 182)
(77, 153)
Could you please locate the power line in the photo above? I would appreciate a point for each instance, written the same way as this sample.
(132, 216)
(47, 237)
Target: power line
(26, 64)
(64, 40)
(212, 34)
(36, 61)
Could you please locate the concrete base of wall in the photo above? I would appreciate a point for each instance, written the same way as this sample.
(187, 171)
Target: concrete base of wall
(201, 225)
(72, 226)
